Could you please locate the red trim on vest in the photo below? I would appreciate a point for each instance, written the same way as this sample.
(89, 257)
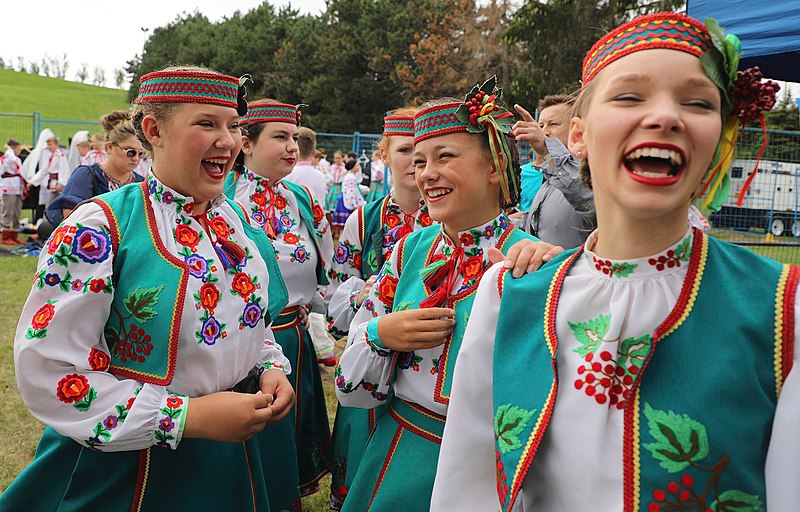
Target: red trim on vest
(389, 455)
(141, 480)
(789, 294)
(113, 224)
(250, 474)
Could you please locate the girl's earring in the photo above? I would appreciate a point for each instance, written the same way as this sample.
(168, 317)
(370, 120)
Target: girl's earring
(580, 153)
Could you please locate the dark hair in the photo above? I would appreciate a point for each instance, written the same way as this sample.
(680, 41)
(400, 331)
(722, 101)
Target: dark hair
(350, 164)
(306, 141)
(556, 99)
(352, 154)
(12, 143)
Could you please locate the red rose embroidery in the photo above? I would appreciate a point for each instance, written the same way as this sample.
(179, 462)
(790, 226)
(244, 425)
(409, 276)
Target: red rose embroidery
(318, 214)
(466, 239)
(473, 267)
(209, 296)
(291, 238)
(386, 289)
(72, 388)
(97, 285)
(188, 208)
(357, 261)
(41, 318)
(56, 238)
(280, 202)
(99, 360)
(174, 402)
(220, 227)
(130, 402)
(425, 219)
(391, 220)
(187, 236)
(243, 285)
(259, 198)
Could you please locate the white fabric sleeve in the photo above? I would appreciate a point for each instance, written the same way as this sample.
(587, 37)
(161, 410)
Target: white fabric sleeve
(345, 266)
(466, 472)
(272, 357)
(783, 458)
(61, 357)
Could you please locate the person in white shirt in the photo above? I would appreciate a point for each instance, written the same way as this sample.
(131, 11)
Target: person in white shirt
(14, 188)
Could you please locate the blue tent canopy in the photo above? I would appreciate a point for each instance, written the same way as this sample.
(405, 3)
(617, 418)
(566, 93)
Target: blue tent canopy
(769, 31)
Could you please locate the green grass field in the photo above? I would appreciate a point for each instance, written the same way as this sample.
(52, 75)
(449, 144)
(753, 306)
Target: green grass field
(21, 93)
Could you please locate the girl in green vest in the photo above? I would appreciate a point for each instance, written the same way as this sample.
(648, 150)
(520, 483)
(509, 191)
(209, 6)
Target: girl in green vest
(652, 368)
(406, 336)
(296, 225)
(144, 344)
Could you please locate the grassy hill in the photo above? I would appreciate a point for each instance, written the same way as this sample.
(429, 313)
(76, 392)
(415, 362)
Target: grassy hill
(21, 93)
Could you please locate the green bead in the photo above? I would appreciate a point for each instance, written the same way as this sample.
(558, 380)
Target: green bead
(732, 39)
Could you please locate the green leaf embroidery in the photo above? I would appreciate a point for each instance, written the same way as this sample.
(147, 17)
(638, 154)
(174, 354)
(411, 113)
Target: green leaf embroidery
(623, 269)
(66, 282)
(683, 249)
(141, 302)
(86, 402)
(737, 501)
(402, 306)
(32, 334)
(680, 440)
(590, 334)
(509, 422)
(635, 349)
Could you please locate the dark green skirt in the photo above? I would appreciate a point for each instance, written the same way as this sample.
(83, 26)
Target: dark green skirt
(198, 475)
(399, 464)
(310, 416)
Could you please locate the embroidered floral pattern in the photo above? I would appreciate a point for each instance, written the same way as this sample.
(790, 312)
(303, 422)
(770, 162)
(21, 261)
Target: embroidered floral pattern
(70, 244)
(614, 269)
(680, 444)
(98, 360)
(409, 360)
(75, 389)
(66, 283)
(41, 319)
(128, 338)
(102, 430)
(606, 380)
(171, 412)
(165, 196)
(673, 257)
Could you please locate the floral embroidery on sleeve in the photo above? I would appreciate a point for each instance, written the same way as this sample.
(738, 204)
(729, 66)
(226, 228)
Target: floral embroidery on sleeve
(75, 389)
(173, 416)
(102, 430)
(41, 319)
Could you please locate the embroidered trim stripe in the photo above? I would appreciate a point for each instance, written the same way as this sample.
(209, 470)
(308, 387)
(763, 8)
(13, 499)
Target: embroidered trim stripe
(141, 480)
(386, 462)
(414, 429)
(784, 324)
(250, 474)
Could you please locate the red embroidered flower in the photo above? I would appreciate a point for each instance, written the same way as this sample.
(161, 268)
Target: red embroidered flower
(386, 289)
(220, 227)
(130, 402)
(318, 213)
(209, 297)
(391, 220)
(187, 236)
(425, 219)
(291, 238)
(97, 285)
(466, 239)
(72, 388)
(357, 261)
(280, 202)
(259, 198)
(243, 285)
(56, 238)
(188, 208)
(174, 402)
(41, 318)
(99, 360)
(473, 267)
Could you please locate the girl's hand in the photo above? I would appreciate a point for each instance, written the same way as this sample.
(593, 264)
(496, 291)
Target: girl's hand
(414, 329)
(302, 316)
(227, 416)
(528, 129)
(365, 290)
(525, 256)
(276, 386)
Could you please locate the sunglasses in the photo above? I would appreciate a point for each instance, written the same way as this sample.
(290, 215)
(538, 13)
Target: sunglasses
(130, 152)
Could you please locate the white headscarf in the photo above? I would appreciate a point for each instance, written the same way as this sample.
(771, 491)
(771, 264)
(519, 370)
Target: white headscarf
(74, 158)
(28, 168)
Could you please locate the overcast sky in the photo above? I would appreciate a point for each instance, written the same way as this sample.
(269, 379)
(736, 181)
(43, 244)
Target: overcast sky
(105, 33)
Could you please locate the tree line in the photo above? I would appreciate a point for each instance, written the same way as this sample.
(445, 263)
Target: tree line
(57, 67)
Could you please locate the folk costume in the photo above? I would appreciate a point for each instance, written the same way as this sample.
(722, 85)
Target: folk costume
(351, 196)
(74, 158)
(337, 172)
(426, 269)
(13, 190)
(295, 223)
(367, 240)
(53, 171)
(644, 384)
(377, 174)
(108, 355)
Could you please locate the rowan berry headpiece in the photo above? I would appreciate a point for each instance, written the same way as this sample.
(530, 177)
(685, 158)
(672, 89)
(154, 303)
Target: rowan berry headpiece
(188, 86)
(744, 96)
(267, 111)
(481, 111)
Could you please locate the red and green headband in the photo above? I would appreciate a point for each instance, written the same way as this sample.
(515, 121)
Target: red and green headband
(271, 112)
(398, 126)
(482, 111)
(184, 86)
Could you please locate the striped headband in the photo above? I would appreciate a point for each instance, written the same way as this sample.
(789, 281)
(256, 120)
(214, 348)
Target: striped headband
(666, 30)
(438, 120)
(271, 112)
(398, 126)
(182, 86)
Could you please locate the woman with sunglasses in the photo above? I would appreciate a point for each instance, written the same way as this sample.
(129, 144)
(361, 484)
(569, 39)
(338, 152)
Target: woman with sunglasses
(144, 345)
(124, 151)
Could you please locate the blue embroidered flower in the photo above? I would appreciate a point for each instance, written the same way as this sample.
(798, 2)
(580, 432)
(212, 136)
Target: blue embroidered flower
(286, 222)
(252, 314)
(198, 266)
(211, 330)
(151, 186)
(300, 254)
(503, 223)
(341, 254)
(52, 279)
(91, 245)
(259, 218)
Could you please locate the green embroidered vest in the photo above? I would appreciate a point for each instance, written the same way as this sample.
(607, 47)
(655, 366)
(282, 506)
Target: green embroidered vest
(307, 214)
(414, 253)
(370, 228)
(150, 286)
(700, 412)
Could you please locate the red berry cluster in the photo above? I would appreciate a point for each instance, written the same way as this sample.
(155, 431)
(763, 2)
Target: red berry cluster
(670, 260)
(500, 473)
(135, 346)
(604, 380)
(476, 104)
(682, 493)
(752, 95)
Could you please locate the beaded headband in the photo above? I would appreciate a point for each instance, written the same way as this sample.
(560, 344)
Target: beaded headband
(482, 111)
(271, 112)
(398, 126)
(182, 86)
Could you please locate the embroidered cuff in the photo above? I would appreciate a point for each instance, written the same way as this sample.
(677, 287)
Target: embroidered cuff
(374, 340)
(272, 365)
(171, 421)
(354, 299)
